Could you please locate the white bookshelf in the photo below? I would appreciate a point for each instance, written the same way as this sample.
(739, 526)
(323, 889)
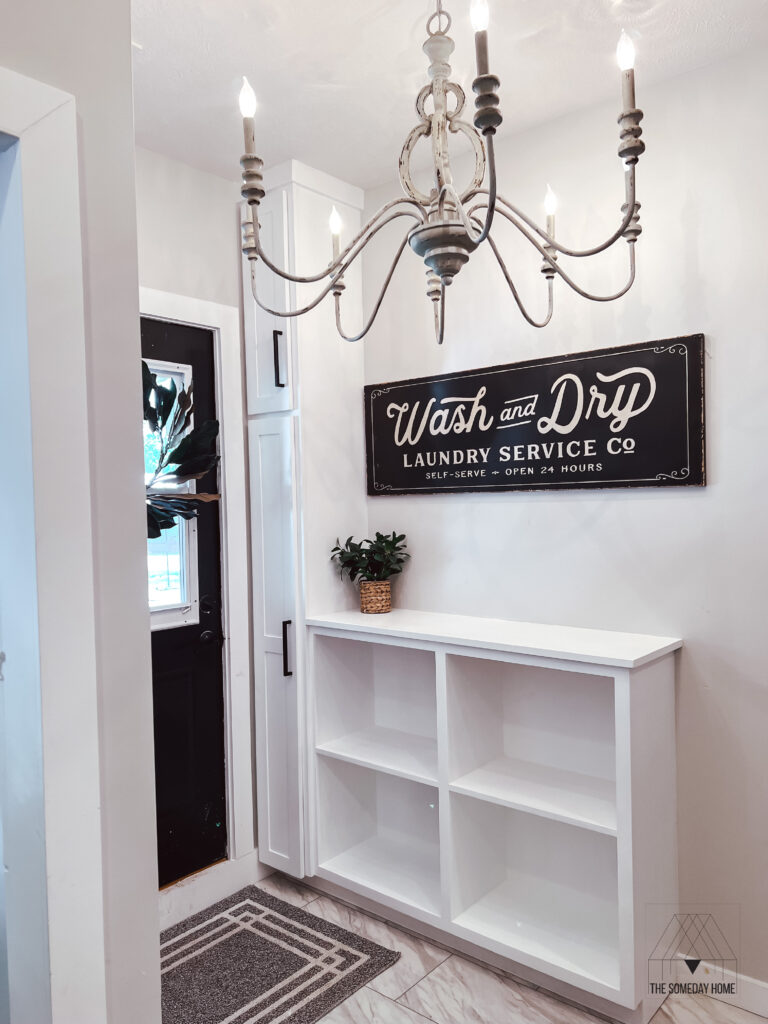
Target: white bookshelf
(388, 750)
(555, 793)
(538, 885)
(379, 833)
(512, 784)
(376, 706)
(538, 741)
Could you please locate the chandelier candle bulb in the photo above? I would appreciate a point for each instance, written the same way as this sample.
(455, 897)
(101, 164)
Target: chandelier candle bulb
(335, 224)
(480, 16)
(550, 208)
(248, 112)
(625, 56)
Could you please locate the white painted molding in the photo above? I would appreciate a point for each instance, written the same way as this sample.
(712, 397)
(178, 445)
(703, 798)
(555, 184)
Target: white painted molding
(751, 993)
(224, 321)
(54, 885)
(296, 173)
(25, 101)
(191, 895)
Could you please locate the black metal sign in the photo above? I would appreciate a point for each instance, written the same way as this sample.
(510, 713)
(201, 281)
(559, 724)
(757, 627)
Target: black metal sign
(617, 417)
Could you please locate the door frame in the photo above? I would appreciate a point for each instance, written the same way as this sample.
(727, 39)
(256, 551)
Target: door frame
(57, 860)
(241, 867)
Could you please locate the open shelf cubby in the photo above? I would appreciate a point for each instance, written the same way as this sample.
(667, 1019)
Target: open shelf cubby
(375, 706)
(379, 832)
(537, 887)
(533, 739)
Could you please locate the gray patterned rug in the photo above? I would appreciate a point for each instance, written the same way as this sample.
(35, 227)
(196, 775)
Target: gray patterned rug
(254, 959)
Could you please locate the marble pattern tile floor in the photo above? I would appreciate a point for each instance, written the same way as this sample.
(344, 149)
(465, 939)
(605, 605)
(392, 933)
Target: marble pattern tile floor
(429, 985)
(417, 956)
(287, 889)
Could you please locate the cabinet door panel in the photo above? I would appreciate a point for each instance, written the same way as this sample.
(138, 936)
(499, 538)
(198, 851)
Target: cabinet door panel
(267, 338)
(277, 681)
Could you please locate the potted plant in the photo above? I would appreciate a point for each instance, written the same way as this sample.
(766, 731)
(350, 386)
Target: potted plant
(373, 563)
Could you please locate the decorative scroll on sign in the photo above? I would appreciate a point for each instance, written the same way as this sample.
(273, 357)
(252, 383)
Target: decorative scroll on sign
(617, 417)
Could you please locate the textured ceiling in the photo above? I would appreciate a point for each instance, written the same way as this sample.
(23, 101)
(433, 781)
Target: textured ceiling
(336, 82)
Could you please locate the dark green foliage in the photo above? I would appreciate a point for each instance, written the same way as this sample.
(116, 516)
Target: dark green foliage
(199, 444)
(184, 454)
(377, 559)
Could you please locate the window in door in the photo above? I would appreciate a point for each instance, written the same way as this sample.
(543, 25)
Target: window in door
(171, 557)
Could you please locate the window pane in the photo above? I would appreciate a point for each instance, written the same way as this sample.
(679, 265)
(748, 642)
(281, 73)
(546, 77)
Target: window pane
(151, 452)
(152, 441)
(167, 555)
(166, 563)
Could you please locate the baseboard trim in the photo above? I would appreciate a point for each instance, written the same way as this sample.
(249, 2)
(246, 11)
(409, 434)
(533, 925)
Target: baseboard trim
(751, 994)
(195, 893)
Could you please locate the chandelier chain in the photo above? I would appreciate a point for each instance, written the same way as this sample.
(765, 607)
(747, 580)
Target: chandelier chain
(438, 15)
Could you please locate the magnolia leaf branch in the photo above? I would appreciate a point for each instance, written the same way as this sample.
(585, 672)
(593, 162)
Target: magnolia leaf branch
(185, 453)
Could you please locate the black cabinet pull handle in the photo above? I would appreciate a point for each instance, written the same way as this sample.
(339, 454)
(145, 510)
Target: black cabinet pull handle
(276, 357)
(286, 624)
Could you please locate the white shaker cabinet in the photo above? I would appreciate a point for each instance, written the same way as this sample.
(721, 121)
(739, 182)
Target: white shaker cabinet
(277, 679)
(284, 492)
(270, 384)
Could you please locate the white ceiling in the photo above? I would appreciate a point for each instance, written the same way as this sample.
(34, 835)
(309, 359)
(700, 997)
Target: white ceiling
(336, 81)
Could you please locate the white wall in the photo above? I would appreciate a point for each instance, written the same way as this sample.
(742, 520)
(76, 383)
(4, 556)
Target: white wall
(83, 47)
(681, 562)
(330, 383)
(188, 230)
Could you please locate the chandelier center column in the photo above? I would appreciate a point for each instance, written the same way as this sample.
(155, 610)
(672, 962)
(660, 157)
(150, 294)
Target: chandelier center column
(439, 48)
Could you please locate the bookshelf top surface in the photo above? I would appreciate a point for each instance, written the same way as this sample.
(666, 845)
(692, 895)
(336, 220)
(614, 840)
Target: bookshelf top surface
(571, 643)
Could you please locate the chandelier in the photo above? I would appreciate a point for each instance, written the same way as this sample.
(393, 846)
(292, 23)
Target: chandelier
(452, 220)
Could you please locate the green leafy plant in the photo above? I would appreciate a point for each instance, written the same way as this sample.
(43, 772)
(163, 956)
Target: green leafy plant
(377, 559)
(183, 452)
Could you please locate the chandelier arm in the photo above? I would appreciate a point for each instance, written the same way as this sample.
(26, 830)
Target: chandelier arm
(491, 191)
(516, 294)
(289, 313)
(599, 298)
(377, 306)
(334, 278)
(341, 264)
(578, 253)
(559, 270)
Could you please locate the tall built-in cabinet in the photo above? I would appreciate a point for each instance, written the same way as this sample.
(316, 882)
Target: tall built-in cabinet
(289, 365)
(509, 786)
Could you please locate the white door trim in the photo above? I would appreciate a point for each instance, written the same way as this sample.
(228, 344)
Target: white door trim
(54, 883)
(198, 891)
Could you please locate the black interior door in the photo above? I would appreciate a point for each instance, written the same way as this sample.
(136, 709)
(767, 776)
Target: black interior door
(187, 671)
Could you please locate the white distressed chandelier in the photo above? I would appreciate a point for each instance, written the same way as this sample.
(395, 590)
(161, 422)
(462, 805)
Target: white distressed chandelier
(451, 221)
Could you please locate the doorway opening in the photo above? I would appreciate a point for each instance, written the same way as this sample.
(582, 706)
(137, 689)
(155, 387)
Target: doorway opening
(185, 600)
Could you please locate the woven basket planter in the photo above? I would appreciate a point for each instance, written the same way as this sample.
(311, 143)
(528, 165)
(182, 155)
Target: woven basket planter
(375, 597)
